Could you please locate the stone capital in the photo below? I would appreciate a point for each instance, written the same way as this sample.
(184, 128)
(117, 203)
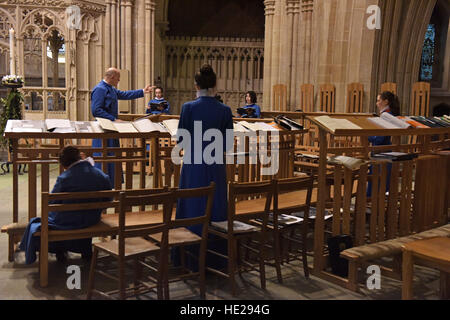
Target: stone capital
(269, 7)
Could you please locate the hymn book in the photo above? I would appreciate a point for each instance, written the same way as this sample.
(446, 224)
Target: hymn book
(334, 124)
(388, 121)
(348, 162)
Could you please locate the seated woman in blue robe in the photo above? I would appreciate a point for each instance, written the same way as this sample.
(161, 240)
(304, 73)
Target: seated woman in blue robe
(386, 102)
(204, 114)
(163, 104)
(252, 110)
(79, 176)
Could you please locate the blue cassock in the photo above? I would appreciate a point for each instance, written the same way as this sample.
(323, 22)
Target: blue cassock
(257, 113)
(213, 115)
(82, 177)
(166, 110)
(104, 104)
(380, 141)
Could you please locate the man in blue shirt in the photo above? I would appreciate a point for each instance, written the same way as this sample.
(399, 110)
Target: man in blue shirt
(163, 104)
(104, 104)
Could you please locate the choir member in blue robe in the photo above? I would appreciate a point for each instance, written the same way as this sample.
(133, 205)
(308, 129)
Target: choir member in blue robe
(79, 176)
(386, 102)
(208, 112)
(104, 104)
(159, 99)
(250, 100)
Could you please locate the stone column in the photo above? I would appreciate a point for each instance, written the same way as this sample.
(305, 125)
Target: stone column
(267, 91)
(140, 37)
(123, 26)
(113, 34)
(149, 48)
(290, 59)
(108, 33)
(128, 42)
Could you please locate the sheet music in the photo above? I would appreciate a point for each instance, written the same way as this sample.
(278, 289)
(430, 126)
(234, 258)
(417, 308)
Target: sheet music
(125, 127)
(383, 123)
(237, 127)
(57, 123)
(106, 124)
(146, 125)
(172, 126)
(83, 126)
(334, 124)
(397, 122)
(27, 126)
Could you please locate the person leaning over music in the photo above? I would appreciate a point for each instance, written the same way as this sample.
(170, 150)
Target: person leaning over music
(163, 104)
(79, 176)
(104, 104)
(253, 110)
(386, 102)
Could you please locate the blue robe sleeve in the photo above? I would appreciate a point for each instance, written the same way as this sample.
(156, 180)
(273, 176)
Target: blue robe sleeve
(379, 140)
(258, 111)
(229, 144)
(167, 109)
(98, 104)
(130, 95)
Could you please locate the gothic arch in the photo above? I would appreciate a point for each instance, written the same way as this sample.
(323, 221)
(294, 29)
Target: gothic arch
(398, 45)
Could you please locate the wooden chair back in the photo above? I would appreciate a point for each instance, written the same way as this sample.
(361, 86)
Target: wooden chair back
(420, 99)
(265, 190)
(355, 96)
(292, 185)
(279, 97)
(204, 217)
(389, 87)
(327, 98)
(307, 97)
(429, 205)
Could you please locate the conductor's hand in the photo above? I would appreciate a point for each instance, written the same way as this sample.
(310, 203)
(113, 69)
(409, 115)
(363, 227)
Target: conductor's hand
(149, 89)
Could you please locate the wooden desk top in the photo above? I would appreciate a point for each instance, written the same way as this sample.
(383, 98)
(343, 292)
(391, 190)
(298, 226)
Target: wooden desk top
(435, 249)
(368, 128)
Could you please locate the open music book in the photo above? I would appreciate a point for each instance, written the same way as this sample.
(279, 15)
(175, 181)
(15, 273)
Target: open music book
(257, 126)
(348, 162)
(333, 124)
(388, 121)
(122, 127)
(25, 126)
(238, 227)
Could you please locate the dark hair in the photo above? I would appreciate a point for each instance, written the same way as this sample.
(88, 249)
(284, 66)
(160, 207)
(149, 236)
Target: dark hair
(252, 94)
(394, 104)
(441, 110)
(205, 78)
(69, 155)
(160, 88)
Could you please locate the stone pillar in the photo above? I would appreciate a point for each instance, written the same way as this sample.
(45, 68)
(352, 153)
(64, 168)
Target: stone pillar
(114, 35)
(128, 40)
(108, 33)
(289, 63)
(123, 25)
(267, 91)
(140, 38)
(149, 49)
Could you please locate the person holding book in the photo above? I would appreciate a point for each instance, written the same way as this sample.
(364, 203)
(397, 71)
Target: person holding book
(251, 109)
(386, 102)
(79, 176)
(196, 173)
(158, 105)
(105, 104)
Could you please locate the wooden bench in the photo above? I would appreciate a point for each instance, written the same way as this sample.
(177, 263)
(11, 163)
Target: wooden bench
(389, 248)
(108, 226)
(397, 219)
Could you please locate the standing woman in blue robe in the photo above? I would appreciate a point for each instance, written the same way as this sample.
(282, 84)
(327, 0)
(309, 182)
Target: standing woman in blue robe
(208, 112)
(251, 100)
(386, 102)
(104, 104)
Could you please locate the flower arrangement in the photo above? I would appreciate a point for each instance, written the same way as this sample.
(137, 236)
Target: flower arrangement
(12, 79)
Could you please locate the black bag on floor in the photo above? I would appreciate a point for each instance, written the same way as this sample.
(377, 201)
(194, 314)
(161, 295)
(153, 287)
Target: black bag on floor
(336, 245)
